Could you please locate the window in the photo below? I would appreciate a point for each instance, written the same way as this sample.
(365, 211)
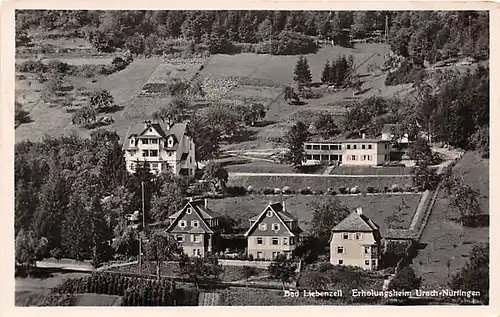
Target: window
(131, 142)
(363, 158)
(259, 255)
(348, 146)
(275, 241)
(367, 262)
(154, 141)
(324, 157)
(262, 227)
(153, 153)
(345, 235)
(182, 223)
(374, 262)
(269, 213)
(275, 255)
(325, 147)
(189, 210)
(316, 157)
(260, 240)
(190, 160)
(169, 153)
(285, 241)
(197, 238)
(276, 226)
(316, 147)
(195, 223)
(334, 147)
(154, 166)
(180, 238)
(353, 157)
(292, 240)
(145, 153)
(340, 250)
(385, 157)
(362, 146)
(369, 157)
(308, 157)
(357, 235)
(367, 250)
(150, 130)
(341, 262)
(145, 141)
(308, 146)
(369, 146)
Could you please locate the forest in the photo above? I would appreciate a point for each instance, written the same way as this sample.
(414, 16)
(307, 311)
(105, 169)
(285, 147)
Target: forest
(417, 35)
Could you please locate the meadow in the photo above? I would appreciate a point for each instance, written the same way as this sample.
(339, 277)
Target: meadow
(377, 208)
(444, 238)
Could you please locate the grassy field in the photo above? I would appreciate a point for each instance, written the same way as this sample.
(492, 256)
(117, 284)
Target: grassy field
(55, 121)
(368, 170)
(318, 183)
(376, 208)
(444, 237)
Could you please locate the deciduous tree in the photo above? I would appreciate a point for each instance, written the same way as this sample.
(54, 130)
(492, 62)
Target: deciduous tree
(161, 248)
(327, 215)
(295, 139)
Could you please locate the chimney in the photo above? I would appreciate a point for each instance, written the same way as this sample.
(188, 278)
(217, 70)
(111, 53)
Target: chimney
(190, 199)
(359, 210)
(205, 203)
(284, 205)
(363, 135)
(147, 123)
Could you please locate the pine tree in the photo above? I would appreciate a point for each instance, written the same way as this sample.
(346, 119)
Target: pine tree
(302, 73)
(326, 75)
(295, 139)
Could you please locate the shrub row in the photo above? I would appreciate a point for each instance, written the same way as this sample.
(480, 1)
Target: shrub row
(85, 70)
(341, 190)
(135, 291)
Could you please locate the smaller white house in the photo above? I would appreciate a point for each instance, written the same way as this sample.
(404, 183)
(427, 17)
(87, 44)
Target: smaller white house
(389, 130)
(161, 146)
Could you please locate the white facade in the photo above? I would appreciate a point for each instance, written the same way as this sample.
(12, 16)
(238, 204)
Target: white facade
(358, 152)
(161, 147)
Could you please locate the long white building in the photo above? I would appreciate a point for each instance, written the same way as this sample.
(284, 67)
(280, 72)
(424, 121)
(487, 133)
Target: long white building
(360, 151)
(161, 146)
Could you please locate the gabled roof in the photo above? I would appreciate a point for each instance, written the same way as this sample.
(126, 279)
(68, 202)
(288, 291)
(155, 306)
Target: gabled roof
(282, 215)
(202, 212)
(177, 130)
(356, 222)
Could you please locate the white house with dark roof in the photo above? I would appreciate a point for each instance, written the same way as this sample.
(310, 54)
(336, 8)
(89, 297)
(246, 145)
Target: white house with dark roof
(162, 146)
(356, 241)
(273, 232)
(195, 227)
(343, 151)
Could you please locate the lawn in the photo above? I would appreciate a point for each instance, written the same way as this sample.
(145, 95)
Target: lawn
(376, 208)
(317, 183)
(445, 239)
(368, 170)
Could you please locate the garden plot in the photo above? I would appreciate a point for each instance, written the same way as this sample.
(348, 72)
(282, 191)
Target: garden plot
(377, 208)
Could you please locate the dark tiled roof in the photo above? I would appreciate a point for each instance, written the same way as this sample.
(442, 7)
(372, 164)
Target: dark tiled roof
(356, 222)
(282, 214)
(178, 130)
(344, 140)
(399, 234)
(199, 208)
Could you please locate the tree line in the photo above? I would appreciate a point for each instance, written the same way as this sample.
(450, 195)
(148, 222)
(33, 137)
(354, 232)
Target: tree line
(419, 35)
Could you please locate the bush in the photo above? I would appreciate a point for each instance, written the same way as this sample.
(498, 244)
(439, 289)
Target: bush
(277, 191)
(236, 191)
(386, 189)
(268, 191)
(342, 190)
(287, 190)
(249, 189)
(291, 43)
(405, 74)
(370, 189)
(306, 191)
